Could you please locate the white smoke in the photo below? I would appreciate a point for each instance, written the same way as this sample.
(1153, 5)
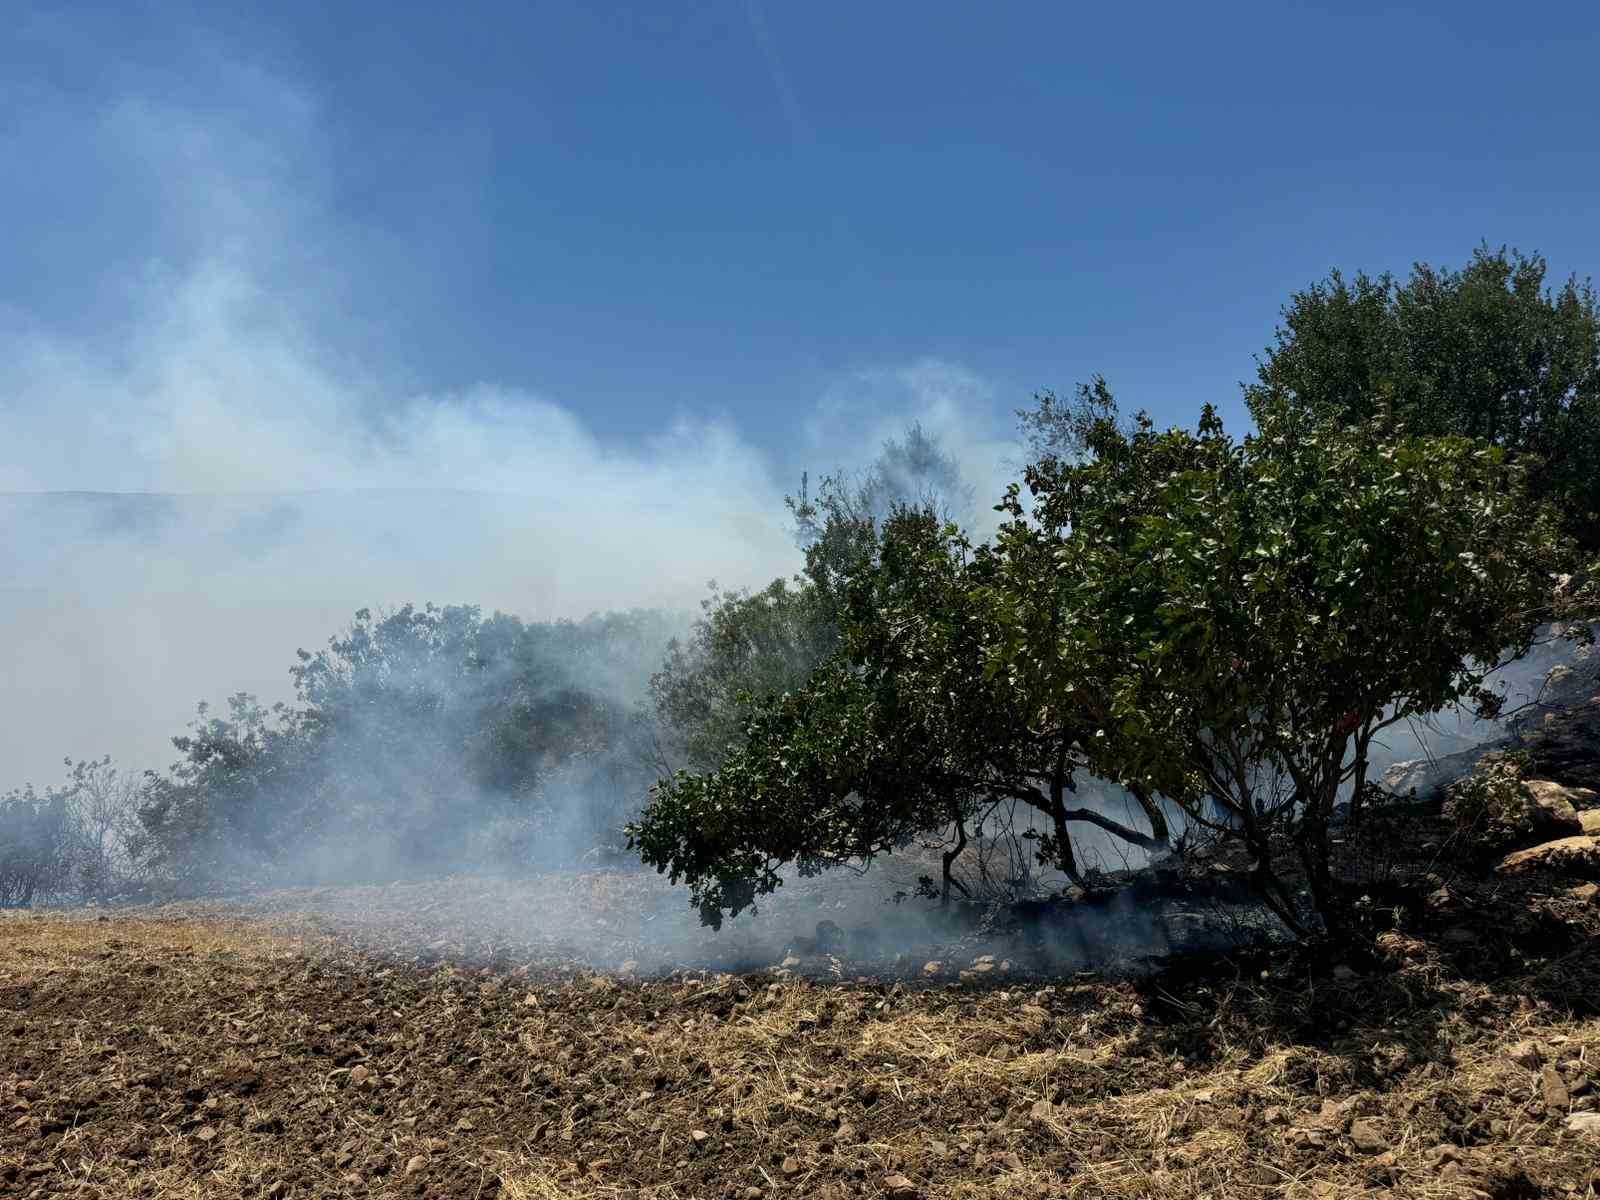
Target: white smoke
(294, 485)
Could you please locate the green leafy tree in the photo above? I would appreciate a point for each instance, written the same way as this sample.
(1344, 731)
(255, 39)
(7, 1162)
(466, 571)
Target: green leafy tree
(748, 646)
(1264, 608)
(1487, 351)
(904, 733)
(855, 761)
(1222, 626)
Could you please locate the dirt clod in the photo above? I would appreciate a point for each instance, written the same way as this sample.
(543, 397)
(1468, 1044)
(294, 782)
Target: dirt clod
(1553, 1089)
(1526, 1054)
(1366, 1137)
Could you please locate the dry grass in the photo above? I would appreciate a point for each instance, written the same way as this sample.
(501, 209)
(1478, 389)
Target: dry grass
(129, 1042)
(42, 942)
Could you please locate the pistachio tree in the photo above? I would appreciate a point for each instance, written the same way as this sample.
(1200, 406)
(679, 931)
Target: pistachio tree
(907, 731)
(1221, 626)
(1244, 617)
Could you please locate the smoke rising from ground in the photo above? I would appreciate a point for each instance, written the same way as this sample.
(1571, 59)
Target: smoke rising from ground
(282, 483)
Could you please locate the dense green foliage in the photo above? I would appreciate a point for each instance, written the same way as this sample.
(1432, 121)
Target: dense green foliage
(750, 645)
(1487, 351)
(1241, 619)
(1218, 625)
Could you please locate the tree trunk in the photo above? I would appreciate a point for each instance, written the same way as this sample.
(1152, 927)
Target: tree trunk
(1274, 895)
(1358, 778)
(1263, 876)
(1067, 860)
(949, 858)
(1153, 814)
(1313, 843)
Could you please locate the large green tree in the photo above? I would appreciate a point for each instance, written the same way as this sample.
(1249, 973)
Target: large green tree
(1244, 617)
(1487, 351)
(903, 732)
(833, 768)
(1215, 624)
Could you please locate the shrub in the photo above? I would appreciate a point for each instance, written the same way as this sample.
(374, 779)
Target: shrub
(1490, 811)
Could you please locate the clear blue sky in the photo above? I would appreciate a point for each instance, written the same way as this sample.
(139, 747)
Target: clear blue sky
(726, 207)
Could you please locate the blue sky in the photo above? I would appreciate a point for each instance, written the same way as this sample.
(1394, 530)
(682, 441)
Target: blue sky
(622, 271)
(736, 209)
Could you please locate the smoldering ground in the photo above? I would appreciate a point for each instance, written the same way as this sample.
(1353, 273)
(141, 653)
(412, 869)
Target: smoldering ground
(840, 925)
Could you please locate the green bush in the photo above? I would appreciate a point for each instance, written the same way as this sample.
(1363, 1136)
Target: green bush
(1489, 810)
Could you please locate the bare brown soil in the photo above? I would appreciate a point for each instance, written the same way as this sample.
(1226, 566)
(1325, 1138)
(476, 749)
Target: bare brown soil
(195, 1051)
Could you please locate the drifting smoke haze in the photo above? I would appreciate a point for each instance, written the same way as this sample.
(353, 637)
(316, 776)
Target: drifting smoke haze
(199, 475)
(131, 607)
(207, 461)
(268, 484)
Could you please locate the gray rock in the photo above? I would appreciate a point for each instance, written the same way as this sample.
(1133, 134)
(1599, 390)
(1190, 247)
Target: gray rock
(1554, 812)
(1574, 857)
(1553, 1089)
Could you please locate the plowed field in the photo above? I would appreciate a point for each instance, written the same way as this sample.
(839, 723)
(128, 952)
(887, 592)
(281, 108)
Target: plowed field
(272, 1052)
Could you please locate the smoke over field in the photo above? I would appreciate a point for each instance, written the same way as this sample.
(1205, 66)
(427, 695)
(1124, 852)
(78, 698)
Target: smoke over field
(266, 504)
(749, 601)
